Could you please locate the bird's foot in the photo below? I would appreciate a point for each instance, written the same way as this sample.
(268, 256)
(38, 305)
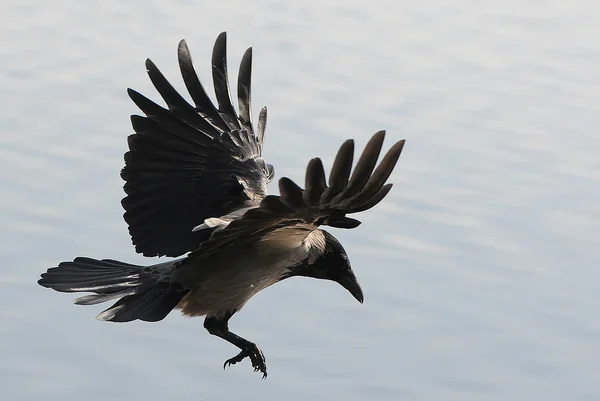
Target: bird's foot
(256, 357)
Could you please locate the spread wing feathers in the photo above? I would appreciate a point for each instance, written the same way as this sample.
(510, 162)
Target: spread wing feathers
(319, 203)
(187, 163)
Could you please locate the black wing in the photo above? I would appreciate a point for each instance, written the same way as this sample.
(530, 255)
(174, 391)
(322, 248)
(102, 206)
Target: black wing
(319, 203)
(189, 163)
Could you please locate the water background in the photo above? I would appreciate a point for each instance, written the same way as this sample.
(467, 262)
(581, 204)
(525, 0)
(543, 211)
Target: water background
(480, 269)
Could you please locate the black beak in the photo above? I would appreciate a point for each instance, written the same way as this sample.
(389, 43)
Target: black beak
(349, 282)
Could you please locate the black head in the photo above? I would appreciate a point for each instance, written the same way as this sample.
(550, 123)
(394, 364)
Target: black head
(328, 260)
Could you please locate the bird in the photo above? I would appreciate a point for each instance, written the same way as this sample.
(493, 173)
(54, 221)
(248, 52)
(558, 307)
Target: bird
(195, 184)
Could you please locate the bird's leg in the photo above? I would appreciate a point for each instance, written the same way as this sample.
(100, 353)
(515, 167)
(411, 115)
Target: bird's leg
(217, 326)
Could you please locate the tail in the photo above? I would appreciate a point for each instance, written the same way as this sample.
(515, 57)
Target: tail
(143, 292)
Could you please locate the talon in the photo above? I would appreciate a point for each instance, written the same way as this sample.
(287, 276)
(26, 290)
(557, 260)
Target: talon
(258, 361)
(256, 356)
(238, 358)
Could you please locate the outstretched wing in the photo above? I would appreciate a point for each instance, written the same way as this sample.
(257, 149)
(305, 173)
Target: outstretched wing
(298, 211)
(189, 163)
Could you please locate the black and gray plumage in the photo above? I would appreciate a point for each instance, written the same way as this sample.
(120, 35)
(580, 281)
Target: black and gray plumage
(196, 186)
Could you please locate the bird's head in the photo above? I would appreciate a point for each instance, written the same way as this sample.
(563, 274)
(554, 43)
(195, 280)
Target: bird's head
(328, 260)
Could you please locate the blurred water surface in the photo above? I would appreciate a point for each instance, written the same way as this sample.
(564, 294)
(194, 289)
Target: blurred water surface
(480, 270)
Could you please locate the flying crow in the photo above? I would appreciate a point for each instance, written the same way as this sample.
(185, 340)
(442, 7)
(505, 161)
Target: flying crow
(196, 187)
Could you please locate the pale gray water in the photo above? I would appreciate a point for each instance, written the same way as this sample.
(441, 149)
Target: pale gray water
(480, 270)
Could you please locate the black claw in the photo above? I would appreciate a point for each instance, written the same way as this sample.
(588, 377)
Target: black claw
(257, 358)
(238, 358)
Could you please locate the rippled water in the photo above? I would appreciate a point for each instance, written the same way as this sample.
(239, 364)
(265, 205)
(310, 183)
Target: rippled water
(480, 270)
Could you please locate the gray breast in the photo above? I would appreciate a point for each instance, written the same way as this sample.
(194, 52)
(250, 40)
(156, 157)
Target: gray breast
(226, 280)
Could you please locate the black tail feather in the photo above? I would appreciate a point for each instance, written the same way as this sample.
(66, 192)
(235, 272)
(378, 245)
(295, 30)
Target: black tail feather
(149, 306)
(143, 291)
